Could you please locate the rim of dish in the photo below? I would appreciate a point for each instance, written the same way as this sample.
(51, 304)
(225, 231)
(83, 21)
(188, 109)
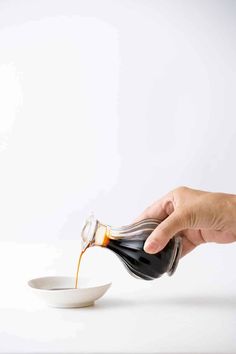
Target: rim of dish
(104, 283)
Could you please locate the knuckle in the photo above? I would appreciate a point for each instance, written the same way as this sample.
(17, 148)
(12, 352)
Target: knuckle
(181, 189)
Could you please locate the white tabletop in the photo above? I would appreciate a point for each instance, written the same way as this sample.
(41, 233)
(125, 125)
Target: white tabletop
(188, 313)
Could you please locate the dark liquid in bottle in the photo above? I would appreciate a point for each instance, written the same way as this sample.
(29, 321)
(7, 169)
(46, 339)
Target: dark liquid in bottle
(143, 265)
(127, 243)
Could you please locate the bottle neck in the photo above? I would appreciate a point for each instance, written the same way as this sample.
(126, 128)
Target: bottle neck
(101, 236)
(94, 233)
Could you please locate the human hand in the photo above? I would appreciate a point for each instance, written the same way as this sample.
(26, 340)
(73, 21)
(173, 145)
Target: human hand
(197, 216)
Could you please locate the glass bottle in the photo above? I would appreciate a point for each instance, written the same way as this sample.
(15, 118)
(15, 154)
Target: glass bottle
(127, 243)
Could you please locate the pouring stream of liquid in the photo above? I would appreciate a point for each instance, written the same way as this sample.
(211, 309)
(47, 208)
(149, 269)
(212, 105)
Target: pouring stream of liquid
(78, 267)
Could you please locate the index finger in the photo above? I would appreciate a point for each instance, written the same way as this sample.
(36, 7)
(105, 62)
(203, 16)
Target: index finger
(160, 209)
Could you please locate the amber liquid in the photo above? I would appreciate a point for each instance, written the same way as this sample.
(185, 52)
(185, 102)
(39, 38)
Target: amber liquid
(55, 289)
(78, 268)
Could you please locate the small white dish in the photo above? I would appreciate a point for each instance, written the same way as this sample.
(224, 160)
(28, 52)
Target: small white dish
(59, 291)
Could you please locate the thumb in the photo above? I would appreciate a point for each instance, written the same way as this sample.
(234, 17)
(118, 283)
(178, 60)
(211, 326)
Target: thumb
(164, 232)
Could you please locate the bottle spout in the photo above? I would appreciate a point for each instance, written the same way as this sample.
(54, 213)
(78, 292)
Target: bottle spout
(84, 246)
(88, 232)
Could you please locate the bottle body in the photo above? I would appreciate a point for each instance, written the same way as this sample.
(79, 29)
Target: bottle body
(127, 243)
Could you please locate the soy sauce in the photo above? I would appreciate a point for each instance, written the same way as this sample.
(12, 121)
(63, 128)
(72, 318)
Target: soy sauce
(127, 243)
(78, 268)
(55, 289)
(138, 262)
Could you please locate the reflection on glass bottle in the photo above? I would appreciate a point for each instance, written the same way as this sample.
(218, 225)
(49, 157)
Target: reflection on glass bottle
(127, 243)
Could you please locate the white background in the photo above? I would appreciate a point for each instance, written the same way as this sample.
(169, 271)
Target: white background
(106, 106)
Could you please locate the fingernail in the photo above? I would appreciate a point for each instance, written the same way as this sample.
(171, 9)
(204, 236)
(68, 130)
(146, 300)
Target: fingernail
(151, 247)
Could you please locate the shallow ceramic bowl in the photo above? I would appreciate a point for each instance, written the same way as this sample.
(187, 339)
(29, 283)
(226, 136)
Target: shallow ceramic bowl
(59, 291)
